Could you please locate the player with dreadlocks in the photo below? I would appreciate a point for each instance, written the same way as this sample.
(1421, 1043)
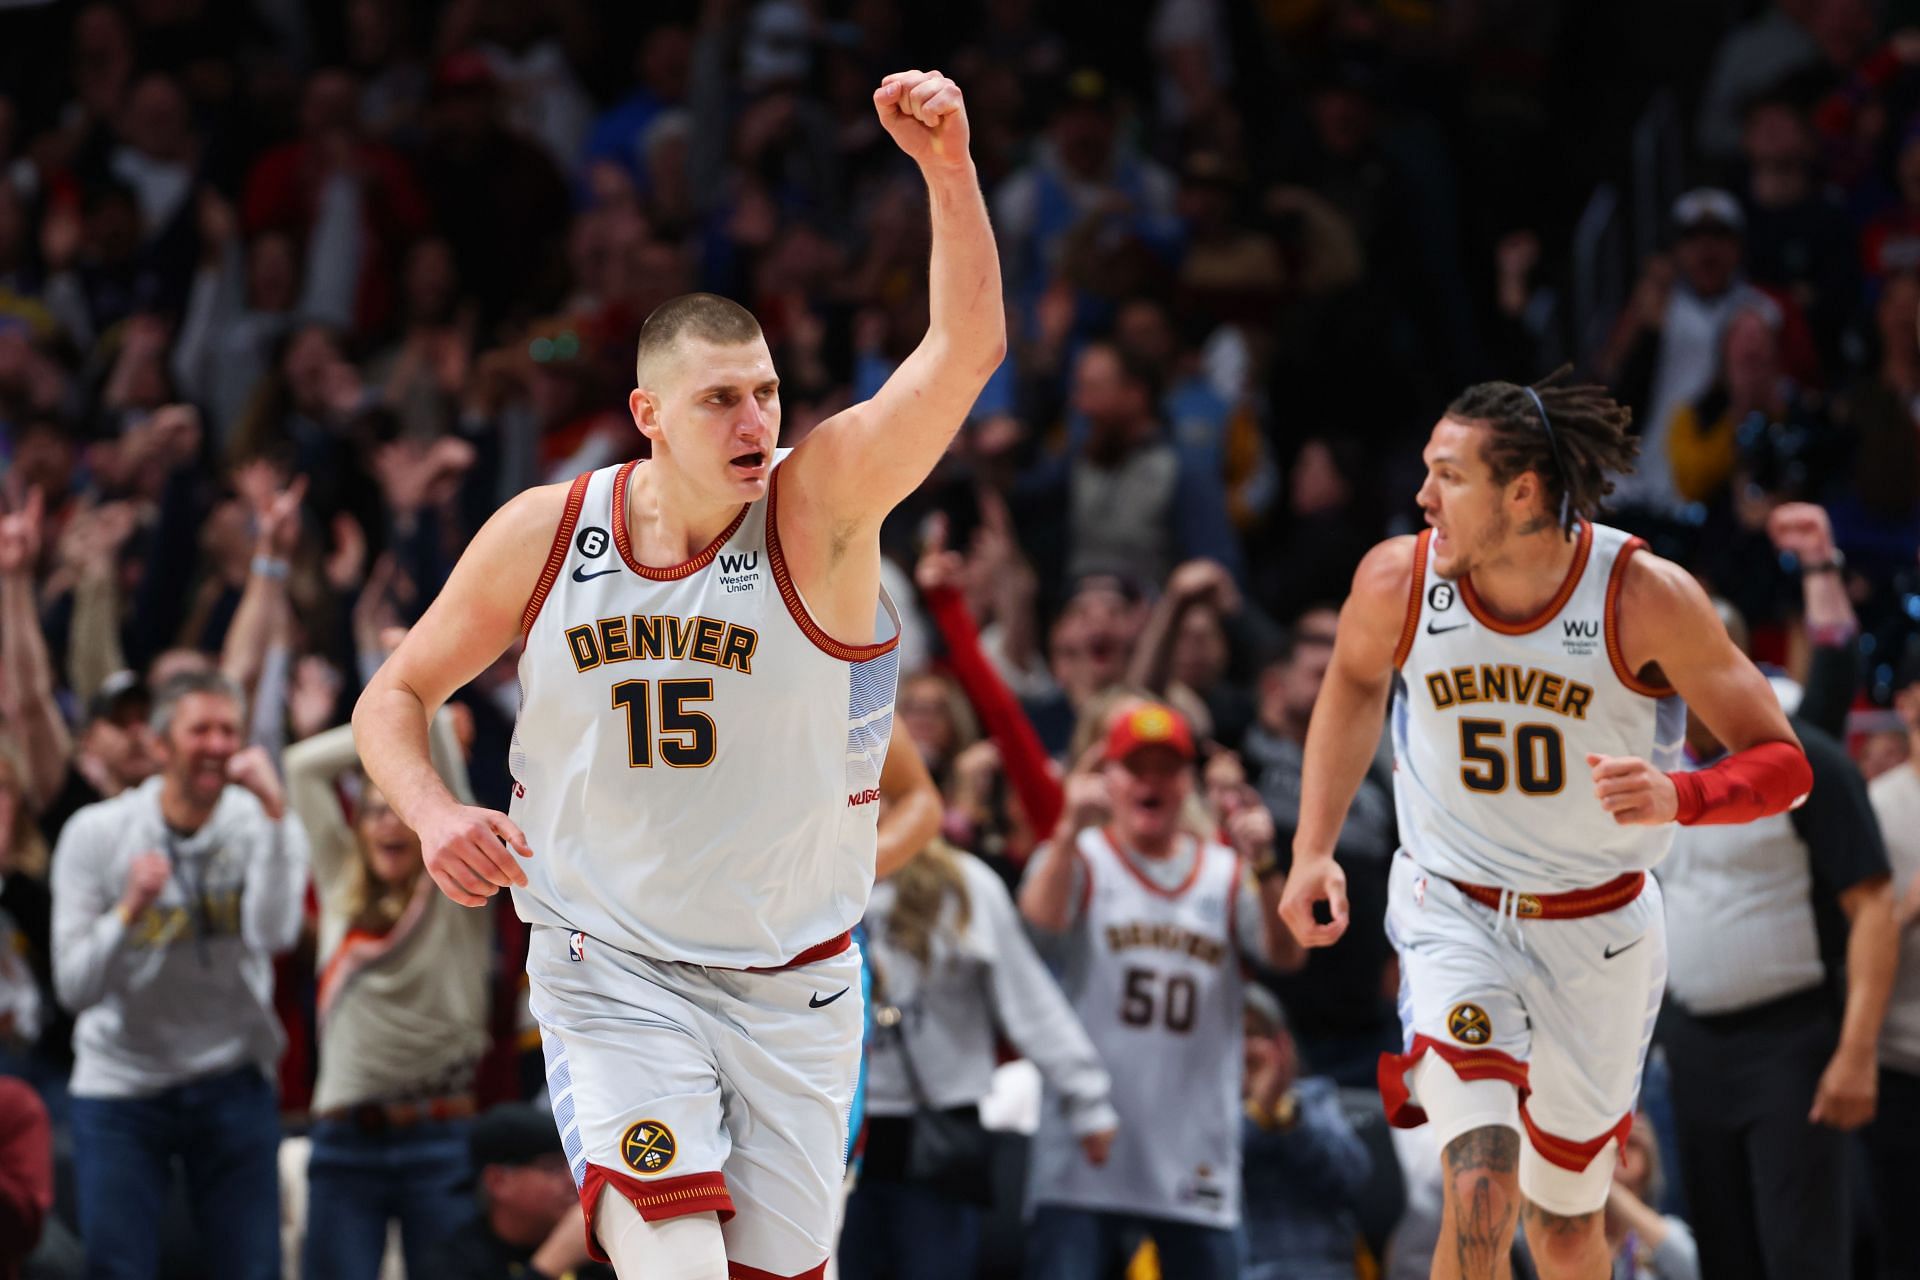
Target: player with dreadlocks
(1537, 662)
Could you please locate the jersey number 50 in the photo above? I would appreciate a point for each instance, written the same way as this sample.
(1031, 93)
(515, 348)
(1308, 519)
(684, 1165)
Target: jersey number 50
(1176, 1007)
(1539, 758)
(685, 737)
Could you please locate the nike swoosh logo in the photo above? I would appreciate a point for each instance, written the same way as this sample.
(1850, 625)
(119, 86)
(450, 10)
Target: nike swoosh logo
(579, 576)
(817, 1003)
(1440, 631)
(1609, 953)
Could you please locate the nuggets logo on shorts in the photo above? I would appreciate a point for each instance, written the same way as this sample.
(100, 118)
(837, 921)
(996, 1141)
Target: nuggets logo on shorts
(1468, 1023)
(647, 1147)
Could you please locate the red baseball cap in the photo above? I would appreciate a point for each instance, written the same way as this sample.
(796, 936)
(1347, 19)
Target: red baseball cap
(1149, 724)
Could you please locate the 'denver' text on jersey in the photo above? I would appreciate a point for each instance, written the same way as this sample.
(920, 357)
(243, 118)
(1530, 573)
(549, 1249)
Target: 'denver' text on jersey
(656, 637)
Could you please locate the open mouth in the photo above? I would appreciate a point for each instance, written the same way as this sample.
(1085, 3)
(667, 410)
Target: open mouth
(749, 461)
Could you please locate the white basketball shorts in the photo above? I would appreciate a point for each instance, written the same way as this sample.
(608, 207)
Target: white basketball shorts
(1561, 1009)
(689, 1089)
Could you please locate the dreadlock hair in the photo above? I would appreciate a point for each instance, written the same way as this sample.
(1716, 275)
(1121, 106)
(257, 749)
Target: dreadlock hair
(1585, 436)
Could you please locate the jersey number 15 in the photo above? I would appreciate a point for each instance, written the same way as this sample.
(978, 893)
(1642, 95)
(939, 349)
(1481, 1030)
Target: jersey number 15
(685, 738)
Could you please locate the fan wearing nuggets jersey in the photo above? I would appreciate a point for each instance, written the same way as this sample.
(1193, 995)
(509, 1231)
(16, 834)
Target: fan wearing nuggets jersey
(707, 697)
(1537, 663)
(1154, 925)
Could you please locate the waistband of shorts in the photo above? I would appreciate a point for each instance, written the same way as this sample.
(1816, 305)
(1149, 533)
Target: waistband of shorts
(1599, 900)
(823, 951)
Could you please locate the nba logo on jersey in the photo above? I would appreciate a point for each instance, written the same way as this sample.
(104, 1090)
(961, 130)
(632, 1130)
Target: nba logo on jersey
(576, 945)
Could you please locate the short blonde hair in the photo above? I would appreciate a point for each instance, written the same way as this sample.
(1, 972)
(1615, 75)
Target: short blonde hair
(706, 316)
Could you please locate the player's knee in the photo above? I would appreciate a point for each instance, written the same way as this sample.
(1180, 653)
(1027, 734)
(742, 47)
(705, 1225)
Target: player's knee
(689, 1247)
(1483, 1171)
(1562, 1244)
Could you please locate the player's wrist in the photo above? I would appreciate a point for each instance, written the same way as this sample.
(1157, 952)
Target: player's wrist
(1857, 1049)
(959, 175)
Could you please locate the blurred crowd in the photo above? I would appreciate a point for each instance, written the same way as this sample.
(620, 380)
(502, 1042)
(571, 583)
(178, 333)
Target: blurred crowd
(293, 296)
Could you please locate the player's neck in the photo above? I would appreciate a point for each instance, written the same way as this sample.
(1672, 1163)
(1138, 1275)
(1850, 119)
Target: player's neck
(667, 521)
(1527, 573)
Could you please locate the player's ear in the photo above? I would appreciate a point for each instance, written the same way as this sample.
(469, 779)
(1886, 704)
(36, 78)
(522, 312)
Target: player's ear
(645, 408)
(1524, 490)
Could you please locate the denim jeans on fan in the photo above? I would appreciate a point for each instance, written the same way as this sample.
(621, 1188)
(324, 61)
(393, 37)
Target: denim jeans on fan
(907, 1231)
(358, 1182)
(225, 1130)
(1080, 1244)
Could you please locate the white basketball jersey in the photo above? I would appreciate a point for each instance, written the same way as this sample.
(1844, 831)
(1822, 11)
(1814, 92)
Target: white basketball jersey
(1493, 722)
(1156, 981)
(696, 763)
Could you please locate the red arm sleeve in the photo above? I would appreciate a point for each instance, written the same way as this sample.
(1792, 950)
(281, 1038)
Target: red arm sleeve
(1021, 754)
(1756, 783)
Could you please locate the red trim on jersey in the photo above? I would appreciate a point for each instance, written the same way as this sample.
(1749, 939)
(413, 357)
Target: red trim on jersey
(821, 951)
(1565, 1152)
(656, 1200)
(741, 1271)
(1572, 905)
(1467, 1063)
(673, 572)
(1411, 625)
(798, 607)
(1581, 551)
(1615, 581)
(1179, 890)
(557, 553)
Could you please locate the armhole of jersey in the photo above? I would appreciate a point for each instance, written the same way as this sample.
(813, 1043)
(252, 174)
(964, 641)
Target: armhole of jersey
(1615, 581)
(1085, 864)
(1412, 623)
(1233, 903)
(797, 606)
(557, 554)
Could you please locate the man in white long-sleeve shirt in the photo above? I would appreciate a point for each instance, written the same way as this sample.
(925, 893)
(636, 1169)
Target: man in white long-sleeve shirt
(169, 902)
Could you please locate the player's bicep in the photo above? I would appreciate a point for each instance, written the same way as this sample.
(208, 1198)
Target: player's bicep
(1719, 683)
(1373, 616)
(860, 463)
(478, 612)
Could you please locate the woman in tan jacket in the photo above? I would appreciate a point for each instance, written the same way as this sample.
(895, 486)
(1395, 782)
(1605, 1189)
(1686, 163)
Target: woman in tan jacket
(403, 1005)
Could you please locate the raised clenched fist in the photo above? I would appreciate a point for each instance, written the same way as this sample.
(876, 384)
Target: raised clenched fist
(147, 875)
(926, 116)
